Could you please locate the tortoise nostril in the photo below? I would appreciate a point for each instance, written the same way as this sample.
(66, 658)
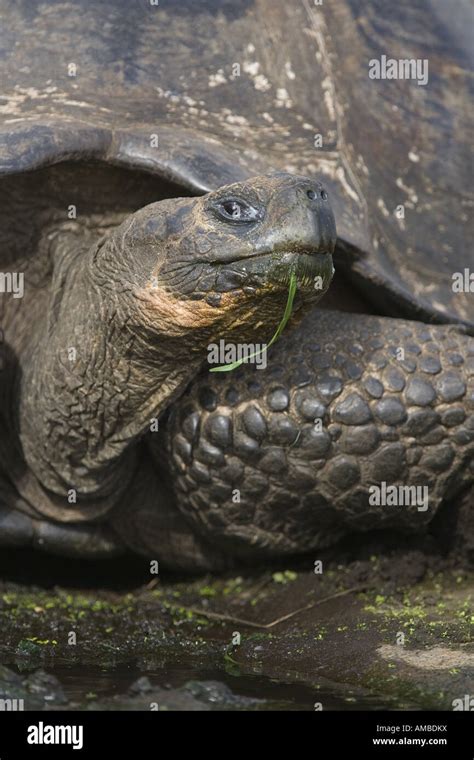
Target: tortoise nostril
(324, 195)
(311, 195)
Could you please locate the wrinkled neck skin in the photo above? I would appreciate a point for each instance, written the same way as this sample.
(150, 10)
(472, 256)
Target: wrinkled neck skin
(94, 380)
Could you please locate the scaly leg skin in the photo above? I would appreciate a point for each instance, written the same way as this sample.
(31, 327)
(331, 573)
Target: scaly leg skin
(147, 521)
(281, 461)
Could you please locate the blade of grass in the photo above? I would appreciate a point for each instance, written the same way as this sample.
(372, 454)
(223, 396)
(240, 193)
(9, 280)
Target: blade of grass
(287, 314)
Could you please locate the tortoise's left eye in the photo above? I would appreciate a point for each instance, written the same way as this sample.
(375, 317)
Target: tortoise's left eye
(236, 210)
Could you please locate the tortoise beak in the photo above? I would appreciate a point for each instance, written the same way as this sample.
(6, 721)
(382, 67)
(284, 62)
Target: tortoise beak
(304, 220)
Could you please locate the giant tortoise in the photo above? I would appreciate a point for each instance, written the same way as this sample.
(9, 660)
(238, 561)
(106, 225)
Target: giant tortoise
(167, 175)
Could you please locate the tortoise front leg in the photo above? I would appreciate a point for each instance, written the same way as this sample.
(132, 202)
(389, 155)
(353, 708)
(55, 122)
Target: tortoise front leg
(350, 408)
(148, 522)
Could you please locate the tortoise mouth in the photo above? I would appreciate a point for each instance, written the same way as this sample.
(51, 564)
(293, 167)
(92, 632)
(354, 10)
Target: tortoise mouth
(313, 270)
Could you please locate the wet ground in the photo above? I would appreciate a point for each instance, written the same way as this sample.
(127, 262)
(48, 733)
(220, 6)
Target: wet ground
(390, 630)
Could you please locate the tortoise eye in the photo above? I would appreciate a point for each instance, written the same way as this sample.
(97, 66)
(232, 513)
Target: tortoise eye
(237, 210)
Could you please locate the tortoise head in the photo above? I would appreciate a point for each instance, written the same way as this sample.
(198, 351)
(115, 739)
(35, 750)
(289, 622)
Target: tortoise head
(222, 261)
(142, 305)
